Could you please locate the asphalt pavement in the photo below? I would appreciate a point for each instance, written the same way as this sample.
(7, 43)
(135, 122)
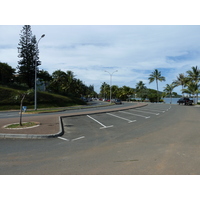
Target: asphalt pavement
(158, 139)
(51, 124)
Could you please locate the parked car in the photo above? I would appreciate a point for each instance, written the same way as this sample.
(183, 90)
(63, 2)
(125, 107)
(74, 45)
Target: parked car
(117, 101)
(185, 101)
(84, 99)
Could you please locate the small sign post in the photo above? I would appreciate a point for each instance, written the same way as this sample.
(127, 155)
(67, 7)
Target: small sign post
(24, 108)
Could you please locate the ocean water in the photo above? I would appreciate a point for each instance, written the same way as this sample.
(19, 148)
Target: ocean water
(174, 100)
(168, 100)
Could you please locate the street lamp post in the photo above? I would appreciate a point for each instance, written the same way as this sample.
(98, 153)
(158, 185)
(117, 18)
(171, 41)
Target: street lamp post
(36, 71)
(111, 83)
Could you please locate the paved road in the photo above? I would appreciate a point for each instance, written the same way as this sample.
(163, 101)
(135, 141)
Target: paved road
(156, 139)
(9, 114)
(72, 109)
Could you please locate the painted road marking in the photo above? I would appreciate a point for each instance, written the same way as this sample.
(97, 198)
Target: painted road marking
(100, 123)
(78, 138)
(63, 138)
(145, 112)
(135, 114)
(151, 110)
(129, 121)
(169, 108)
(72, 139)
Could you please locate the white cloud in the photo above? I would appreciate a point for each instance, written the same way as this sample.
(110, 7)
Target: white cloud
(134, 51)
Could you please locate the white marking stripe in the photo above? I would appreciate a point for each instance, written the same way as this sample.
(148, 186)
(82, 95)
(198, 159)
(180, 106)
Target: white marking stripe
(146, 112)
(100, 123)
(151, 110)
(63, 138)
(78, 138)
(135, 114)
(106, 127)
(129, 121)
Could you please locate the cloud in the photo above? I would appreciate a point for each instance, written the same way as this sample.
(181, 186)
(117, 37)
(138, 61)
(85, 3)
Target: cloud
(135, 51)
(189, 55)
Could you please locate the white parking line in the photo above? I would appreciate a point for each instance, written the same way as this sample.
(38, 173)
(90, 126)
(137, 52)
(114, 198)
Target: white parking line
(169, 108)
(63, 138)
(100, 123)
(72, 139)
(146, 112)
(135, 114)
(78, 138)
(151, 110)
(129, 121)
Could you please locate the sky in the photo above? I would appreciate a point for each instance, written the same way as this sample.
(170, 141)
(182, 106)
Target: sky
(89, 44)
(90, 50)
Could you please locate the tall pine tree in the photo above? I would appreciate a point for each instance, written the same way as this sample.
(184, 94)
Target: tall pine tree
(29, 54)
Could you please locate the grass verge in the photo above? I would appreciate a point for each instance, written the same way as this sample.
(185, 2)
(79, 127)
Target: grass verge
(24, 125)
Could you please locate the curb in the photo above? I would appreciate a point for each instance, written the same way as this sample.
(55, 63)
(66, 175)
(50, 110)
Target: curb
(61, 131)
(34, 136)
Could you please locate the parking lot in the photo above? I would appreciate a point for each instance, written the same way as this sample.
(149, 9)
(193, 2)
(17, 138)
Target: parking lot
(110, 124)
(154, 139)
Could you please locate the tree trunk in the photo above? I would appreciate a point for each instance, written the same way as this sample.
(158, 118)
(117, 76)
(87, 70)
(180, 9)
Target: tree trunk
(20, 120)
(157, 89)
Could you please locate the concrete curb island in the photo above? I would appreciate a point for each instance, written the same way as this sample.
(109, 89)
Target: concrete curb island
(51, 126)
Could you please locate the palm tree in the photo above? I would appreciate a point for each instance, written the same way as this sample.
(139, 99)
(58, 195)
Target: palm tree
(194, 77)
(69, 85)
(140, 88)
(104, 89)
(115, 90)
(79, 89)
(156, 75)
(59, 79)
(192, 88)
(125, 91)
(194, 74)
(181, 80)
(168, 89)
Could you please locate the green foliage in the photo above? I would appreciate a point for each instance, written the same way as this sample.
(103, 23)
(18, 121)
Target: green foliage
(65, 83)
(57, 100)
(141, 90)
(169, 89)
(117, 92)
(6, 74)
(29, 55)
(10, 97)
(153, 96)
(156, 76)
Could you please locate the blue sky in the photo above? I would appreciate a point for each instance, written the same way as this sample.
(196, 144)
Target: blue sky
(135, 50)
(88, 50)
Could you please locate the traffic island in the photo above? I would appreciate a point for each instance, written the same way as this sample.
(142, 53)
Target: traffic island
(25, 125)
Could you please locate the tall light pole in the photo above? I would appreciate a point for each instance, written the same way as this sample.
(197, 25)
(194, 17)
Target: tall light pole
(36, 64)
(111, 83)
